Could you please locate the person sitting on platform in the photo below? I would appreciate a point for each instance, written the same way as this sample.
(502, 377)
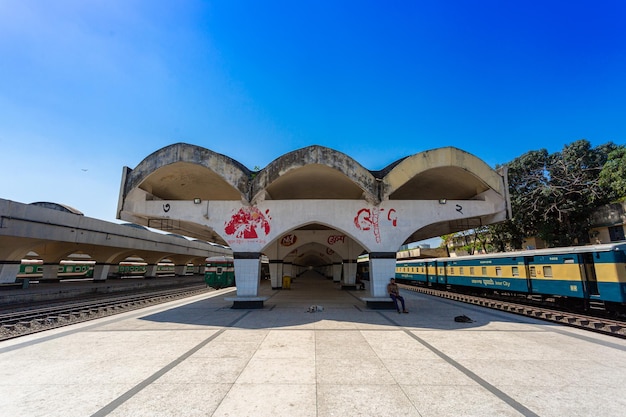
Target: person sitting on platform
(394, 293)
(360, 285)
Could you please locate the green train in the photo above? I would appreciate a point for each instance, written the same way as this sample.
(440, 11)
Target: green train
(127, 269)
(33, 269)
(220, 272)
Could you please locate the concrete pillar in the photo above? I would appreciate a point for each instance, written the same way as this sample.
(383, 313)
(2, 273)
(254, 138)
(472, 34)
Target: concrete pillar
(101, 272)
(50, 271)
(276, 273)
(349, 272)
(382, 268)
(287, 269)
(151, 270)
(328, 271)
(337, 272)
(179, 270)
(8, 272)
(247, 273)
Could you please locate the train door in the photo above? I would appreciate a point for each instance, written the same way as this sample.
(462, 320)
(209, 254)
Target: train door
(588, 273)
(442, 272)
(530, 272)
(431, 273)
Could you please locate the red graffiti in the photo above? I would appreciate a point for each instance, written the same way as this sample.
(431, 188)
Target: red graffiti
(336, 238)
(367, 219)
(363, 219)
(288, 240)
(394, 220)
(248, 223)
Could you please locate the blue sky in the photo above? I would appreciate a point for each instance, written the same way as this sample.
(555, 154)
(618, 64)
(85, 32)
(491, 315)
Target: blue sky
(90, 86)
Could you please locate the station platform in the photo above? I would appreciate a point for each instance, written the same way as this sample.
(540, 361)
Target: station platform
(200, 357)
(44, 292)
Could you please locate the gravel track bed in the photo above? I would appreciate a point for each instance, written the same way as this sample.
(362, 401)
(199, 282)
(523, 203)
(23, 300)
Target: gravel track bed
(46, 316)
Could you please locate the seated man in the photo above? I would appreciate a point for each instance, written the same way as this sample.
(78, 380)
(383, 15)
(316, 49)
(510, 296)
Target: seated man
(360, 285)
(392, 289)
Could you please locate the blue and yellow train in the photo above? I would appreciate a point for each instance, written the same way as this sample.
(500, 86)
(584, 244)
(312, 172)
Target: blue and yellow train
(578, 277)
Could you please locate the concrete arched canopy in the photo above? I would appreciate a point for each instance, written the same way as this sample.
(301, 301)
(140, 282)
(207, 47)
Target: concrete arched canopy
(312, 173)
(248, 210)
(183, 172)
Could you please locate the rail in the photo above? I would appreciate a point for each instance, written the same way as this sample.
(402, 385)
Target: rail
(597, 324)
(19, 323)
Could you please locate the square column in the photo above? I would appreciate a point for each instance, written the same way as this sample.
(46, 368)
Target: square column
(276, 273)
(8, 272)
(349, 273)
(247, 276)
(382, 268)
(50, 271)
(337, 272)
(101, 272)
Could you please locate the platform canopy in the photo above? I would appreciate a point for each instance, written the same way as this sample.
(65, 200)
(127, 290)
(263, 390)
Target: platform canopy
(183, 180)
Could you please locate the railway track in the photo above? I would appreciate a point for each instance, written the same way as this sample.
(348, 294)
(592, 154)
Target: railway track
(597, 324)
(28, 321)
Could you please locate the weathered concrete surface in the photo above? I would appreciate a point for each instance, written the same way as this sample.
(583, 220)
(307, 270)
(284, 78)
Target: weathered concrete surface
(54, 235)
(314, 189)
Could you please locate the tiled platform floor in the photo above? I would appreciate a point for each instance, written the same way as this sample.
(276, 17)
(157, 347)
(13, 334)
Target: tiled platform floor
(199, 357)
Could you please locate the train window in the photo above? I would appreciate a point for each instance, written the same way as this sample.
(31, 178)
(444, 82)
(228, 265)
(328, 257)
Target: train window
(515, 271)
(471, 270)
(484, 271)
(452, 270)
(461, 270)
(498, 271)
(533, 273)
(547, 271)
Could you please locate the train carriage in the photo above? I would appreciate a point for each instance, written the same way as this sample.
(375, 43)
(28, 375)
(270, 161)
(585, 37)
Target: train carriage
(572, 275)
(138, 269)
(127, 269)
(495, 274)
(66, 269)
(412, 271)
(220, 272)
(165, 269)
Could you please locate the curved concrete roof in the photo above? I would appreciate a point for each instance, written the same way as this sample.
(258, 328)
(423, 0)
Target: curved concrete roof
(441, 173)
(314, 172)
(184, 172)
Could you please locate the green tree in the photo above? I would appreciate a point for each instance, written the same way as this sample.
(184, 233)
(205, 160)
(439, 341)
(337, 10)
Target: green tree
(613, 174)
(528, 184)
(553, 195)
(446, 240)
(573, 192)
